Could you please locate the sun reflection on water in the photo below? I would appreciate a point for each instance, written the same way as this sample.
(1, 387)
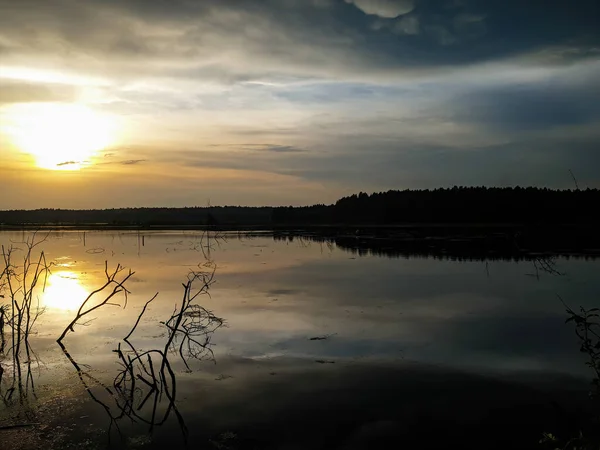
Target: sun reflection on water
(64, 291)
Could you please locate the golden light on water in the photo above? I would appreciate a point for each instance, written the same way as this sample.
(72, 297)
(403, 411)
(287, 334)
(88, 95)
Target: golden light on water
(60, 136)
(64, 291)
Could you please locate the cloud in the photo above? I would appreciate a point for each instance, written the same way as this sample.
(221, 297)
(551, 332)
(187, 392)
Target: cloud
(231, 41)
(441, 34)
(123, 162)
(519, 108)
(131, 162)
(469, 23)
(565, 100)
(407, 25)
(263, 148)
(278, 148)
(348, 95)
(15, 91)
(388, 9)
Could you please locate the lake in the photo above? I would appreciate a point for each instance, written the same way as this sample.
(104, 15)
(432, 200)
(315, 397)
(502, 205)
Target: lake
(320, 346)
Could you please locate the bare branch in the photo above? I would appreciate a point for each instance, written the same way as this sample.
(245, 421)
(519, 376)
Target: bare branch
(118, 287)
(140, 317)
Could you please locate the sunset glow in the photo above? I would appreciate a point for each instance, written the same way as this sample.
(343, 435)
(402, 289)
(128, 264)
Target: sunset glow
(64, 292)
(60, 136)
(108, 104)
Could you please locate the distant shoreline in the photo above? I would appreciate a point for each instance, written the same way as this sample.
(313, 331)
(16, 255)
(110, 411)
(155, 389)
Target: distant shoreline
(460, 220)
(463, 240)
(298, 226)
(459, 207)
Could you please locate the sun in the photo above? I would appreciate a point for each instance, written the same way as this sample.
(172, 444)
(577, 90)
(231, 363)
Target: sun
(60, 136)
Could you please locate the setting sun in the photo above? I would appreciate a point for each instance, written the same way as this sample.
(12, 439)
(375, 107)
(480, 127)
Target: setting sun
(60, 136)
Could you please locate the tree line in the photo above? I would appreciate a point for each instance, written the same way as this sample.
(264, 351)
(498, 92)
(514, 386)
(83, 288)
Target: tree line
(457, 205)
(450, 206)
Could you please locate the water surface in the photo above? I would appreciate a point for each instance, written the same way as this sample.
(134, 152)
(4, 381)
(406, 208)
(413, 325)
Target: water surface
(322, 347)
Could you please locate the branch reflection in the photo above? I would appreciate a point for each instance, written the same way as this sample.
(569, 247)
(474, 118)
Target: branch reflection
(144, 391)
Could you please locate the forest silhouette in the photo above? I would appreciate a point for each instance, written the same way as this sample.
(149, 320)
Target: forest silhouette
(457, 205)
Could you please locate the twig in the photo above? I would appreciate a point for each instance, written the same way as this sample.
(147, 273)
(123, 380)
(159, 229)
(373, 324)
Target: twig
(119, 287)
(574, 179)
(20, 425)
(140, 317)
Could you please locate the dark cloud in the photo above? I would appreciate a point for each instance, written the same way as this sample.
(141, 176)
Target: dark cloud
(121, 162)
(386, 153)
(388, 9)
(540, 105)
(282, 292)
(301, 38)
(277, 148)
(524, 162)
(233, 158)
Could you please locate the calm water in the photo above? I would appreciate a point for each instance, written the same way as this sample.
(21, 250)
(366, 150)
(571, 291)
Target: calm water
(405, 346)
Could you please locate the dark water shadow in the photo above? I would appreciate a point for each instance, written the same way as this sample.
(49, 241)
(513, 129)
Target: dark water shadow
(454, 248)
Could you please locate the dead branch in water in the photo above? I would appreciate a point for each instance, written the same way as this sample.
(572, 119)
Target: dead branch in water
(587, 329)
(3, 316)
(118, 287)
(88, 381)
(21, 280)
(191, 326)
(149, 374)
(140, 316)
(145, 388)
(546, 264)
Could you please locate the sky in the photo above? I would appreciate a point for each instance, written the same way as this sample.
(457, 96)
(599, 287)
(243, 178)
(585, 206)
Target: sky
(117, 103)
